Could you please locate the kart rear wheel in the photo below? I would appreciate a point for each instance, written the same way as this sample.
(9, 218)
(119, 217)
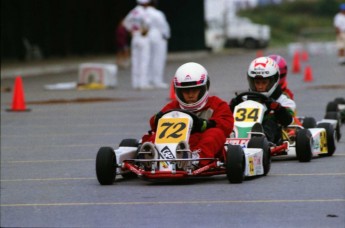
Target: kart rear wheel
(330, 137)
(335, 116)
(261, 142)
(235, 164)
(106, 166)
(129, 143)
(304, 145)
(309, 122)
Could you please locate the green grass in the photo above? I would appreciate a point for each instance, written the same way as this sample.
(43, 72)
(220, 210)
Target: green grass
(302, 20)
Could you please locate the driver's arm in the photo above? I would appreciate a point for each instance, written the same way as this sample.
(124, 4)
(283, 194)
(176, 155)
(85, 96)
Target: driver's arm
(172, 105)
(284, 116)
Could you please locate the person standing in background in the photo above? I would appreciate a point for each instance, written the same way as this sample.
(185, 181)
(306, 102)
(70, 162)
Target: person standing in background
(121, 45)
(158, 35)
(137, 22)
(339, 24)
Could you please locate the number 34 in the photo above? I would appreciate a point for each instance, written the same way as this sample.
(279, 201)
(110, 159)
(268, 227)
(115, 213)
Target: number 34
(247, 115)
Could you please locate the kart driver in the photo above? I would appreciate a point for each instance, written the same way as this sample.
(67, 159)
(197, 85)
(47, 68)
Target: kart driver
(283, 70)
(213, 120)
(263, 77)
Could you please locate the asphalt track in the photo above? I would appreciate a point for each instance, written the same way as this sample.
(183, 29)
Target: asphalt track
(48, 159)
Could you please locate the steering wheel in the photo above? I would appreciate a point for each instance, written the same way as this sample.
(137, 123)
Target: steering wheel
(191, 114)
(254, 96)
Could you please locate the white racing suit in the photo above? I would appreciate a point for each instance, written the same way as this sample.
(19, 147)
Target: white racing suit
(137, 22)
(158, 35)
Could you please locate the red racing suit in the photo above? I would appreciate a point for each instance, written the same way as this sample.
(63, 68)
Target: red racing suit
(210, 143)
(286, 90)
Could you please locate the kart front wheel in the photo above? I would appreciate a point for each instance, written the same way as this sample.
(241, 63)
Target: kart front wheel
(129, 143)
(304, 145)
(330, 137)
(235, 164)
(332, 106)
(339, 100)
(106, 166)
(261, 142)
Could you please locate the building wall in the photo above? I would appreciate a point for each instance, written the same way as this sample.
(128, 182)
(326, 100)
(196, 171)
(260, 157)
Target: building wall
(86, 27)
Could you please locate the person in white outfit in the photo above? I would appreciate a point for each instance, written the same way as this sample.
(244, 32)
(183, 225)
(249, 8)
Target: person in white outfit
(339, 24)
(158, 35)
(137, 22)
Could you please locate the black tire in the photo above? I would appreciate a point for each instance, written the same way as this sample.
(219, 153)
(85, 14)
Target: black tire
(332, 107)
(129, 143)
(309, 122)
(250, 43)
(330, 137)
(257, 127)
(106, 166)
(235, 164)
(335, 116)
(303, 145)
(339, 100)
(261, 142)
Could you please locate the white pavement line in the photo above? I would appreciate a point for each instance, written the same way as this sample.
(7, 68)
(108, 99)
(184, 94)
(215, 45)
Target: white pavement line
(45, 161)
(51, 179)
(50, 146)
(65, 134)
(308, 174)
(91, 178)
(173, 202)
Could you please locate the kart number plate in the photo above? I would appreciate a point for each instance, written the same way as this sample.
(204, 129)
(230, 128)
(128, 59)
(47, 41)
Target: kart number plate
(248, 114)
(172, 130)
(323, 142)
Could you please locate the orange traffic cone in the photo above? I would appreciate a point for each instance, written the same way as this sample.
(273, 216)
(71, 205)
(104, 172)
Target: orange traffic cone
(18, 103)
(172, 91)
(296, 66)
(259, 53)
(308, 74)
(305, 56)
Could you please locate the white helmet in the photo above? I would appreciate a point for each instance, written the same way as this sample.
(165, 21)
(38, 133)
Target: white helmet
(191, 75)
(263, 67)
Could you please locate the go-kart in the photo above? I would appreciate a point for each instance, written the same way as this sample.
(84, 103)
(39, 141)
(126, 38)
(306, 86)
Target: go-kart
(303, 140)
(335, 110)
(170, 157)
(338, 106)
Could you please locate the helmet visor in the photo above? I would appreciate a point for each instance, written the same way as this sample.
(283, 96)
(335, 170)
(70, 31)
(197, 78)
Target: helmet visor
(261, 84)
(190, 95)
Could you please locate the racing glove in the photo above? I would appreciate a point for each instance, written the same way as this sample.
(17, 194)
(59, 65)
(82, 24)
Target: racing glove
(272, 104)
(200, 124)
(282, 114)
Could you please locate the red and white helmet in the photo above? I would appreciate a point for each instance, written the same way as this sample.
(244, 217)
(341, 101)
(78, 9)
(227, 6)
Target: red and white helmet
(282, 67)
(191, 75)
(263, 67)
